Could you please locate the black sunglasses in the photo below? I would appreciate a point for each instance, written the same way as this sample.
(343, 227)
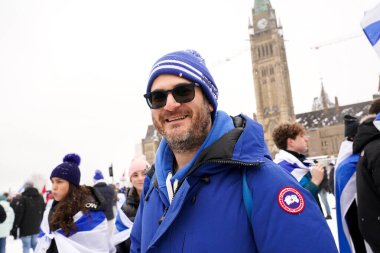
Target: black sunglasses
(182, 93)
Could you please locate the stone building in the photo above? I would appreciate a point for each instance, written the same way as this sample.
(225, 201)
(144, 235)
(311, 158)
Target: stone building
(274, 102)
(150, 143)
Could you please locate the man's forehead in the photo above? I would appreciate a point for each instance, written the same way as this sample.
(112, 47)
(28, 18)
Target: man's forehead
(167, 82)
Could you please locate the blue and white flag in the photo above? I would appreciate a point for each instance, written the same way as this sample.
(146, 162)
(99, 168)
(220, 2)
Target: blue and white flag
(289, 162)
(345, 194)
(91, 235)
(123, 225)
(371, 27)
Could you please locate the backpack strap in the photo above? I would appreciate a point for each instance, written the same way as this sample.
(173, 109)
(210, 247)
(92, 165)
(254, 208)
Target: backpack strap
(152, 181)
(247, 195)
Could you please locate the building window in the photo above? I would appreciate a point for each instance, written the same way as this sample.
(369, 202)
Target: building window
(271, 70)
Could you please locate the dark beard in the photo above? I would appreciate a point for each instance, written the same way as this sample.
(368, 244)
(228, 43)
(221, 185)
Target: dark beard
(193, 139)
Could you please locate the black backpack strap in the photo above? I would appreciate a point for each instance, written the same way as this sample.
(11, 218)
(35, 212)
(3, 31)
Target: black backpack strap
(152, 181)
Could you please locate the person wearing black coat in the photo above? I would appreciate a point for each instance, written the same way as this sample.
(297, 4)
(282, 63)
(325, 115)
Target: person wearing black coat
(137, 172)
(29, 209)
(367, 144)
(108, 194)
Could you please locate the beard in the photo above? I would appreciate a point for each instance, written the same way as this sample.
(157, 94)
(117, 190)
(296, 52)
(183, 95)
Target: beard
(193, 137)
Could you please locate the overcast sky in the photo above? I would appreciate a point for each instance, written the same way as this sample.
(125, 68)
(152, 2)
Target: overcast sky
(72, 73)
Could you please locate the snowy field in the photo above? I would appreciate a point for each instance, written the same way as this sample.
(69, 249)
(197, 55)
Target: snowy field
(15, 246)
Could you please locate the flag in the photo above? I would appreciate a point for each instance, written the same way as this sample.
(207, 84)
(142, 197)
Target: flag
(371, 27)
(110, 170)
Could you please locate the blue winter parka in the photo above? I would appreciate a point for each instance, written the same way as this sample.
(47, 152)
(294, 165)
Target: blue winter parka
(207, 212)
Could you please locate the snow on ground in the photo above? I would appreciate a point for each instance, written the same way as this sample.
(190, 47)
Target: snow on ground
(15, 246)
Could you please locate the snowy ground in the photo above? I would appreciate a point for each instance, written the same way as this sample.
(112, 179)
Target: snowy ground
(15, 246)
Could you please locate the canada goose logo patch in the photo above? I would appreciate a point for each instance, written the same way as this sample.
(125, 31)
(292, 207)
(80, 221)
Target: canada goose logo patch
(291, 200)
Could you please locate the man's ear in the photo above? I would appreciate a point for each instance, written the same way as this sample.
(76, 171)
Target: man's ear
(210, 108)
(289, 142)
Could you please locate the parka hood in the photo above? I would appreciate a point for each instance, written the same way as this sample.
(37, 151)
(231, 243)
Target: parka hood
(229, 141)
(366, 133)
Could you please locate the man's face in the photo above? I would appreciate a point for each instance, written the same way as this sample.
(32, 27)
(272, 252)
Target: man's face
(185, 126)
(299, 144)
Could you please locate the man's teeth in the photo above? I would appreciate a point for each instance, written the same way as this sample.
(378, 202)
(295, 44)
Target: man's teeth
(177, 118)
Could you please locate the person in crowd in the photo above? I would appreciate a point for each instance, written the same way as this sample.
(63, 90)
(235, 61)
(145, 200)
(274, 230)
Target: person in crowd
(214, 186)
(331, 176)
(292, 142)
(7, 223)
(28, 209)
(349, 236)
(108, 194)
(128, 209)
(74, 221)
(323, 194)
(367, 145)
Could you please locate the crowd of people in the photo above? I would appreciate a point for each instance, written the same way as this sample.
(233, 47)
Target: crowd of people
(214, 186)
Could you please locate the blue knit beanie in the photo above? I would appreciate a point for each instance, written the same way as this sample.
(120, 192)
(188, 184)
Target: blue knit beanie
(190, 65)
(98, 175)
(69, 169)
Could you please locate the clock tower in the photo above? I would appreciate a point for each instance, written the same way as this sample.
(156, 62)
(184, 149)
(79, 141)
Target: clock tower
(274, 102)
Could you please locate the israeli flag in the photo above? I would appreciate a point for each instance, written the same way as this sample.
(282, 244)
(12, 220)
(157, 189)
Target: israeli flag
(292, 164)
(91, 234)
(371, 27)
(123, 225)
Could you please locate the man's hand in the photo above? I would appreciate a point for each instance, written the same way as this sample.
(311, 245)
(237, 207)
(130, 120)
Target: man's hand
(317, 174)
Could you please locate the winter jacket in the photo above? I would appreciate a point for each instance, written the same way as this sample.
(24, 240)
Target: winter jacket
(367, 144)
(129, 207)
(7, 225)
(29, 209)
(207, 212)
(109, 195)
(131, 203)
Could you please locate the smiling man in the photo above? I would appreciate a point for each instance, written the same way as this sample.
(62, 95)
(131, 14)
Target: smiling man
(214, 187)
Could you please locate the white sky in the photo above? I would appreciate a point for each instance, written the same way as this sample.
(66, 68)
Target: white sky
(72, 73)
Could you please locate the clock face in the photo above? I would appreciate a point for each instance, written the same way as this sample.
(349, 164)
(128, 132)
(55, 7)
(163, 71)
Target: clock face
(262, 23)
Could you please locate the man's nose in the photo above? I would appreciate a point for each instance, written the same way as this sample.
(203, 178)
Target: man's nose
(171, 103)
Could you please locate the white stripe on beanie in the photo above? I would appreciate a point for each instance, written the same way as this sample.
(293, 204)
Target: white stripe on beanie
(177, 68)
(177, 62)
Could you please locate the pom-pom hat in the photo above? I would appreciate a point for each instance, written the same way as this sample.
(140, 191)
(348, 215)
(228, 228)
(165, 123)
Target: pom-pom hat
(69, 169)
(138, 163)
(190, 65)
(98, 175)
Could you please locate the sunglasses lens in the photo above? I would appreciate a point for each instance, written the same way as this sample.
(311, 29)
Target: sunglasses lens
(158, 99)
(184, 93)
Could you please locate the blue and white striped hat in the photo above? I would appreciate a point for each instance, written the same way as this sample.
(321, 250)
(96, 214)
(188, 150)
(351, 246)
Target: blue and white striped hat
(190, 65)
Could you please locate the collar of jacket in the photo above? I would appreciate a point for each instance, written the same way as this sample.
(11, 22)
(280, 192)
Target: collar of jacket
(225, 143)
